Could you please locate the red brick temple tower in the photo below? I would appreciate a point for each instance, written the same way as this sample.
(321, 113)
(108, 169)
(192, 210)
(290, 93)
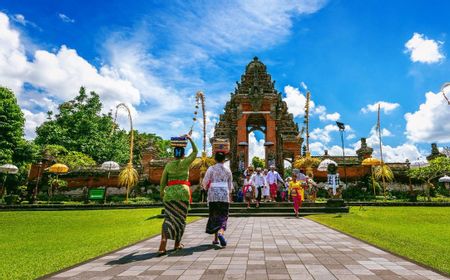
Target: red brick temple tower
(257, 105)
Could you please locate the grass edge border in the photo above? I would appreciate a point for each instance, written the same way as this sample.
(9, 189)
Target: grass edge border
(49, 275)
(442, 273)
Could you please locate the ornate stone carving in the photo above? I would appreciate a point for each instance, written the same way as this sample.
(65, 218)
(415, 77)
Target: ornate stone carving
(364, 151)
(255, 93)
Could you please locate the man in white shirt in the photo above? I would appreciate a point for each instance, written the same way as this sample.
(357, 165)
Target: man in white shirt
(258, 182)
(272, 179)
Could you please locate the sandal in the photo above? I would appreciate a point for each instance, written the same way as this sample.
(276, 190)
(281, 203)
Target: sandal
(215, 242)
(179, 247)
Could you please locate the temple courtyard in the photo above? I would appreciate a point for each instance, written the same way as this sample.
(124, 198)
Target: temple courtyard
(258, 248)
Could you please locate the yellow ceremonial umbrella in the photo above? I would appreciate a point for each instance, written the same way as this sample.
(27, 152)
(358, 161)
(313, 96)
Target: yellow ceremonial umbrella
(58, 168)
(371, 161)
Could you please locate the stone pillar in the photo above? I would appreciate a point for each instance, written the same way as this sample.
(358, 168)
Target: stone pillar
(242, 136)
(271, 136)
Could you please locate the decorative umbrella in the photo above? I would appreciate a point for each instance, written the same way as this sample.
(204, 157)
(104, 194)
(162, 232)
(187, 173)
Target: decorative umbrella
(445, 179)
(323, 165)
(371, 161)
(9, 169)
(418, 163)
(58, 168)
(110, 166)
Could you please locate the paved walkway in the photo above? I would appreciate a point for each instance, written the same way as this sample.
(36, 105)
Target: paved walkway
(259, 248)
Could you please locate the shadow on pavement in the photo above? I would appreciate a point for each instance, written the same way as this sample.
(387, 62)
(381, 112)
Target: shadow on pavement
(171, 253)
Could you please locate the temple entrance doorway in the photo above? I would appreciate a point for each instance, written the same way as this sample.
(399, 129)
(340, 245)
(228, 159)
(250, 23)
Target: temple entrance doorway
(255, 105)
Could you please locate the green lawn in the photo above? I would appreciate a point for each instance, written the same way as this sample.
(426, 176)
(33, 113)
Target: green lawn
(419, 233)
(37, 243)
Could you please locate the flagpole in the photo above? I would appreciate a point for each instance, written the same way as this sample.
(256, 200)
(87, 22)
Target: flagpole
(381, 152)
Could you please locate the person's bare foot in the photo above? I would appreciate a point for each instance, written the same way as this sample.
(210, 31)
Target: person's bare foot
(162, 247)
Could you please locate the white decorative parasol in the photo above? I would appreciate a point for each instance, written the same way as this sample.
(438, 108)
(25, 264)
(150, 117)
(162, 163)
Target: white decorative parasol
(110, 166)
(323, 165)
(9, 169)
(418, 163)
(445, 179)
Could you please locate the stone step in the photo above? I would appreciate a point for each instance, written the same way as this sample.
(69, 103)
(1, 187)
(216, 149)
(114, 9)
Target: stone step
(263, 204)
(271, 211)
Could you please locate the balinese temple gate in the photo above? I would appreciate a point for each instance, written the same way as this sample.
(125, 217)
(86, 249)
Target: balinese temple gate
(255, 104)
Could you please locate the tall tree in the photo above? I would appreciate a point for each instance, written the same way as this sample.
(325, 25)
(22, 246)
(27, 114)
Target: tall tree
(80, 126)
(12, 123)
(258, 162)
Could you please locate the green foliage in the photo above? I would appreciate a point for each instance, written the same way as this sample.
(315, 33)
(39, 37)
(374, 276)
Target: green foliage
(77, 160)
(35, 243)
(437, 167)
(12, 122)
(419, 233)
(429, 174)
(73, 159)
(258, 162)
(143, 140)
(80, 126)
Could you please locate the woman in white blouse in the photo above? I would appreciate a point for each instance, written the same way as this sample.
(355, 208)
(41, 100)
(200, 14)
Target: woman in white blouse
(219, 181)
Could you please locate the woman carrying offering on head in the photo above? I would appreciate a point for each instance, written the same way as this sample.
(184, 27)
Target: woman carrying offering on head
(296, 191)
(176, 193)
(220, 181)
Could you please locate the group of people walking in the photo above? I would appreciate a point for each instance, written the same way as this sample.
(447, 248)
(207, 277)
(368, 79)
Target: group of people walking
(218, 185)
(263, 186)
(176, 195)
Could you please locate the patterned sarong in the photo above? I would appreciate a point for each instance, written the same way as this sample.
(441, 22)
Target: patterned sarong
(218, 216)
(175, 219)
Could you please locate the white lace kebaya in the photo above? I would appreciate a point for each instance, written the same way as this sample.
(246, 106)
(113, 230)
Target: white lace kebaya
(220, 181)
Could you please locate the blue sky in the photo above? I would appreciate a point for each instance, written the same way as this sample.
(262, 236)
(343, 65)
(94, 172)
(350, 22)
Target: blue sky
(154, 55)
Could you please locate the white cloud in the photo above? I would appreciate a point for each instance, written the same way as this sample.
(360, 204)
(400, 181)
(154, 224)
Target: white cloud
(296, 101)
(330, 117)
(323, 134)
(32, 120)
(255, 148)
(431, 123)
(11, 53)
(235, 25)
(20, 19)
(65, 18)
(351, 136)
(386, 107)
(422, 49)
(176, 124)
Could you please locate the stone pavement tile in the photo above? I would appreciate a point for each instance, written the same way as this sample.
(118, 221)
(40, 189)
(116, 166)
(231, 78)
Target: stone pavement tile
(166, 277)
(278, 276)
(212, 277)
(256, 277)
(189, 277)
(234, 276)
(258, 248)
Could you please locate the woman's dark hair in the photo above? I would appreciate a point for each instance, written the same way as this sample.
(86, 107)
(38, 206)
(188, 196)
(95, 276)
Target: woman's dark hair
(219, 157)
(178, 152)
